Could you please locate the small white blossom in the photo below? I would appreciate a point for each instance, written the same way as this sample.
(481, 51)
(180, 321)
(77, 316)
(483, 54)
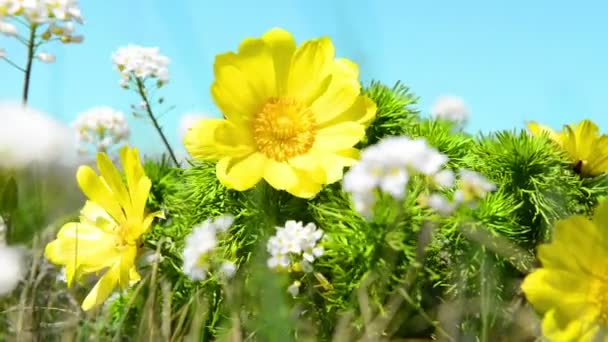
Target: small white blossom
(8, 29)
(46, 57)
(294, 288)
(444, 178)
(228, 269)
(101, 127)
(12, 266)
(134, 61)
(294, 242)
(474, 186)
(450, 108)
(28, 136)
(440, 204)
(199, 247)
(388, 166)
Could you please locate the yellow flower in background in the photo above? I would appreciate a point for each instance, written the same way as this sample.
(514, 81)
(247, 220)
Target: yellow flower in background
(106, 238)
(292, 116)
(571, 288)
(583, 143)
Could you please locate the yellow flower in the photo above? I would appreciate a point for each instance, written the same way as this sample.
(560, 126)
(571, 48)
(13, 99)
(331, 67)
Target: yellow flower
(292, 116)
(111, 223)
(571, 288)
(583, 143)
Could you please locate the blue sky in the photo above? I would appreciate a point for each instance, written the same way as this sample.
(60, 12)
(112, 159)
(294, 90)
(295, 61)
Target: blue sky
(511, 61)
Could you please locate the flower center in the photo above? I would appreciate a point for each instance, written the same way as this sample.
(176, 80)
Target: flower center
(598, 295)
(284, 129)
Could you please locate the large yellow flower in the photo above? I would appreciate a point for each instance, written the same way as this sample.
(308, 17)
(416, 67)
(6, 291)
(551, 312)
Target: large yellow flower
(583, 143)
(111, 223)
(292, 116)
(571, 288)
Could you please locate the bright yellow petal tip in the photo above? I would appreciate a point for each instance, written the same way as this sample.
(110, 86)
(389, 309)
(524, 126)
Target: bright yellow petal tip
(583, 143)
(106, 238)
(570, 290)
(283, 104)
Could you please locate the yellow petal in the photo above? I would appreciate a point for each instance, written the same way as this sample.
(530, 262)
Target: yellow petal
(311, 68)
(212, 139)
(305, 186)
(104, 287)
(244, 81)
(241, 173)
(325, 167)
(283, 46)
(577, 245)
(538, 130)
(93, 214)
(363, 111)
(98, 192)
(556, 328)
(279, 175)
(342, 92)
(339, 137)
(132, 167)
(550, 289)
(113, 179)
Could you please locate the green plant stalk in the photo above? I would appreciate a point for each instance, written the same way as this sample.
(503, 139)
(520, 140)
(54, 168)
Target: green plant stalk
(142, 92)
(31, 49)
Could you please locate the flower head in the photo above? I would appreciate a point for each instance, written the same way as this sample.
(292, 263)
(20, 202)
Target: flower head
(60, 15)
(570, 290)
(111, 225)
(199, 249)
(586, 147)
(101, 127)
(292, 116)
(450, 108)
(13, 269)
(294, 244)
(29, 136)
(137, 62)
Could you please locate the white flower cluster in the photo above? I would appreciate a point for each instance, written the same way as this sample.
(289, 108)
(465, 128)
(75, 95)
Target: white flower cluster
(59, 14)
(13, 270)
(29, 136)
(472, 187)
(295, 243)
(387, 166)
(102, 127)
(138, 62)
(199, 248)
(450, 108)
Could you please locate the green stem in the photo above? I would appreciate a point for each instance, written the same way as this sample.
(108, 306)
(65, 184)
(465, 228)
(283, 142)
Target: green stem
(142, 92)
(31, 44)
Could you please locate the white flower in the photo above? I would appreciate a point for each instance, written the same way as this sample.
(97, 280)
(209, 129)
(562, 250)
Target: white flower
(201, 241)
(450, 108)
(141, 62)
(13, 270)
(294, 288)
(199, 247)
(388, 166)
(46, 57)
(102, 127)
(474, 185)
(27, 136)
(8, 29)
(294, 241)
(228, 269)
(444, 178)
(440, 204)
(187, 121)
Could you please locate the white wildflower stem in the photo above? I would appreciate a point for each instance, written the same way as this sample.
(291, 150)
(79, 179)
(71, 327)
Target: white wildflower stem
(142, 92)
(31, 47)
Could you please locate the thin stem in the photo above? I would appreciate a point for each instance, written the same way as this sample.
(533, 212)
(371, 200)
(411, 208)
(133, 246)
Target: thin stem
(142, 93)
(30, 58)
(13, 64)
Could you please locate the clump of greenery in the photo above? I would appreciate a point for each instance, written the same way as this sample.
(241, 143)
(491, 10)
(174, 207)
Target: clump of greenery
(406, 273)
